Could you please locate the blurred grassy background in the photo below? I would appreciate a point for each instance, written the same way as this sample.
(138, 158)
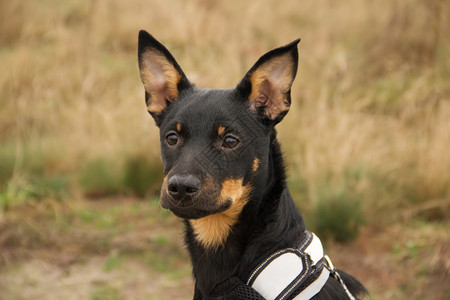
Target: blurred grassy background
(367, 139)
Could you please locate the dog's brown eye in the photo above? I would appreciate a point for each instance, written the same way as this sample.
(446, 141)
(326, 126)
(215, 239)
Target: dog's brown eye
(230, 142)
(172, 139)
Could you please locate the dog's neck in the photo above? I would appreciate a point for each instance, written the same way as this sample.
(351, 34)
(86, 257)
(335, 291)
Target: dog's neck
(249, 242)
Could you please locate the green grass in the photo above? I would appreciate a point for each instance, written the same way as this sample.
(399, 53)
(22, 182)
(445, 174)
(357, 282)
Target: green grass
(335, 208)
(7, 164)
(104, 291)
(113, 262)
(338, 213)
(142, 175)
(50, 187)
(12, 195)
(100, 177)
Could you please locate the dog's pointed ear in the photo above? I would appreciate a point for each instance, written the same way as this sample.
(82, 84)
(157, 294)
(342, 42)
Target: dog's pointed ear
(161, 75)
(267, 85)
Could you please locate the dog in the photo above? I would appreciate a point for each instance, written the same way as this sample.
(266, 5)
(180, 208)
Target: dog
(224, 176)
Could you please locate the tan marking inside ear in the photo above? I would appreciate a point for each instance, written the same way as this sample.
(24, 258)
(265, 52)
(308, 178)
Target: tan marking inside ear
(212, 231)
(255, 165)
(270, 83)
(160, 79)
(221, 130)
(178, 127)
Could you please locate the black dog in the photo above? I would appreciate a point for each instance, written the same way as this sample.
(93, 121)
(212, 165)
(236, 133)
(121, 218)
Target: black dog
(224, 175)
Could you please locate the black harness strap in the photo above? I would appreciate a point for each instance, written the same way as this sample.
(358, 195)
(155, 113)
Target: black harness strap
(234, 289)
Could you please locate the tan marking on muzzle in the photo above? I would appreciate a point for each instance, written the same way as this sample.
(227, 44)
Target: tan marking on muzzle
(164, 185)
(212, 231)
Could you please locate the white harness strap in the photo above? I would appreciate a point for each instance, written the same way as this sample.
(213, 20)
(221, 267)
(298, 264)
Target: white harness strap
(279, 273)
(283, 272)
(315, 287)
(314, 249)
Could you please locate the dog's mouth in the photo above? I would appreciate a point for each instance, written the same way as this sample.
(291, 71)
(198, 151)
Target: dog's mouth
(187, 198)
(211, 198)
(194, 208)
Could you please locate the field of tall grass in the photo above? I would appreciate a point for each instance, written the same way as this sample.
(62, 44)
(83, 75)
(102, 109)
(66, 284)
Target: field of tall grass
(367, 140)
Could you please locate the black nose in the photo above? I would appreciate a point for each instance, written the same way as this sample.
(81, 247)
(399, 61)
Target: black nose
(183, 187)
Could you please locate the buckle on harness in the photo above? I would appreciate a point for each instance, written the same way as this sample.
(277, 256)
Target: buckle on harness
(329, 265)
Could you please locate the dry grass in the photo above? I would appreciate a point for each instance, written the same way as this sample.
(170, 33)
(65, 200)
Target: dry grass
(371, 105)
(371, 93)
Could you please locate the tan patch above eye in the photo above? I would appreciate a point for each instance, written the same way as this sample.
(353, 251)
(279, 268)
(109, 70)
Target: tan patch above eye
(178, 127)
(212, 231)
(221, 130)
(255, 164)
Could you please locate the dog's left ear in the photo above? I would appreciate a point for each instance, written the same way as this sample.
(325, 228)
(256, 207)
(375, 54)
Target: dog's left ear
(267, 85)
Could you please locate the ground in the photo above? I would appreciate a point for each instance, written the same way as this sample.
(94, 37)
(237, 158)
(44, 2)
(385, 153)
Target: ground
(123, 248)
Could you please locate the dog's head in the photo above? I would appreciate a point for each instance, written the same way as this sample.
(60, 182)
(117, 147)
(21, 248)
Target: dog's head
(214, 142)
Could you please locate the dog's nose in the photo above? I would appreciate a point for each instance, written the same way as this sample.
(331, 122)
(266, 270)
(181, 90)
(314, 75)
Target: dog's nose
(183, 187)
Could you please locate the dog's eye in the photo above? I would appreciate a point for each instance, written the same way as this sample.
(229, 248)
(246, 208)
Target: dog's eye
(172, 139)
(230, 142)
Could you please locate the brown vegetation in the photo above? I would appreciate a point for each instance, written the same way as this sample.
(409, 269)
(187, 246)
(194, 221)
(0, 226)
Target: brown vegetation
(368, 134)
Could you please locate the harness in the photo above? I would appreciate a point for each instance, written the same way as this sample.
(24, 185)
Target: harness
(288, 271)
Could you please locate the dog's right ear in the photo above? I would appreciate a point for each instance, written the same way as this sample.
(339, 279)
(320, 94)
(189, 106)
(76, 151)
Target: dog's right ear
(161, 75)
